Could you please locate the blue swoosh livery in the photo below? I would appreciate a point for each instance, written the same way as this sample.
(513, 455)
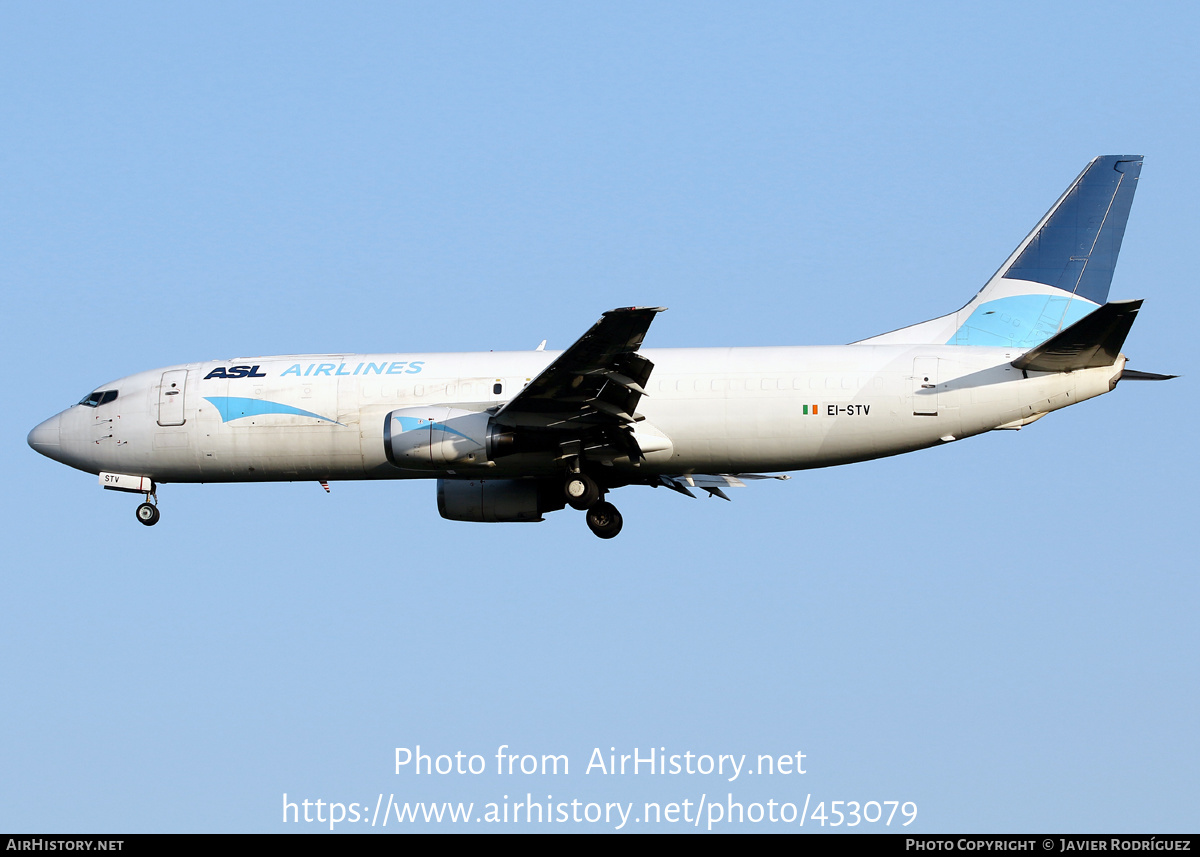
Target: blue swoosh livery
(237, 407)
(412, 423)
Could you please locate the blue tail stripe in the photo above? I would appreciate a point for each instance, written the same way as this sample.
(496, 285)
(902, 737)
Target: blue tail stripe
(1020, 321)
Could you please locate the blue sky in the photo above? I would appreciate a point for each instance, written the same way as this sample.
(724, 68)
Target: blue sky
(1001, 631)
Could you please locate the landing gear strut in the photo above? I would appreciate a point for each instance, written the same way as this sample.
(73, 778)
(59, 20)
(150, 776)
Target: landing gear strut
(604, 520)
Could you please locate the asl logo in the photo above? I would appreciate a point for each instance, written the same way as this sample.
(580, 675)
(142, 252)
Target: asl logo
(235, 372)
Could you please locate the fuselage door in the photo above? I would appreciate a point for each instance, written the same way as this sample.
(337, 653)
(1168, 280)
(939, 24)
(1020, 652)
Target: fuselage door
(924, 386)
(170, 398)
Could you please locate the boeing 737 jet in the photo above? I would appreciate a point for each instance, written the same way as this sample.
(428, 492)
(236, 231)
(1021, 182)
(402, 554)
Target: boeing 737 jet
(513, 436)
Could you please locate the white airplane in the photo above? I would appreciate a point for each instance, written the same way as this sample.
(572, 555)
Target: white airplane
(512, 436)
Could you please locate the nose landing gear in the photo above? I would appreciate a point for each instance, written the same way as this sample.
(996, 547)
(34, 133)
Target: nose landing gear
(147, 513)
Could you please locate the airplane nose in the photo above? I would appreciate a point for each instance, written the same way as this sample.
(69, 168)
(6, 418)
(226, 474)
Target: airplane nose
(45, 437)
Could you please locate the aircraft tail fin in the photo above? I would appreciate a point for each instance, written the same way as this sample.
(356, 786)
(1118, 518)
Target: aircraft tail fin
(1059, 274)
(1089, 343)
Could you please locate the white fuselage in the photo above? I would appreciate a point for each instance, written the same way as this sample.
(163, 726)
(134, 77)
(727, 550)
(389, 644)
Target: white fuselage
(718, 410)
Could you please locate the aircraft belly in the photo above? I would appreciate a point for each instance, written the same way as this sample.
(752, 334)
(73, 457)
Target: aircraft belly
(287, 452)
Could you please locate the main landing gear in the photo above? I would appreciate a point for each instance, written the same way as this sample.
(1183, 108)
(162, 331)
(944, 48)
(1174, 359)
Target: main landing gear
(582, 491)
(604, 520)
(584, 494)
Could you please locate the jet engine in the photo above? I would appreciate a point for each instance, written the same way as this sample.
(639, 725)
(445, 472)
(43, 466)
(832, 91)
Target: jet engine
(435, 437)
(498, 500)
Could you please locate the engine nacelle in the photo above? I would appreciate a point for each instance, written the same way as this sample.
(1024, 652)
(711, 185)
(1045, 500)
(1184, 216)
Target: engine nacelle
(436, 437)
(497, 500)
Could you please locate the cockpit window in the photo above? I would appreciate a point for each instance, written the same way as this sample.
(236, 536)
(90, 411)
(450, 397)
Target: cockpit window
(98, 398)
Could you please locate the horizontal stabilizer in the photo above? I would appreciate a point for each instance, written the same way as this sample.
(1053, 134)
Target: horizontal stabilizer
(1093, 341)
(1135, 375)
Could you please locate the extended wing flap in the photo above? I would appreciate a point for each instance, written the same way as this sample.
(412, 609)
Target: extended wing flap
(596, 382)
(710, 482)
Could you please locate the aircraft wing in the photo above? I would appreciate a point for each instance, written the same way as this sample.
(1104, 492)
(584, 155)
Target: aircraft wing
(596, 383)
